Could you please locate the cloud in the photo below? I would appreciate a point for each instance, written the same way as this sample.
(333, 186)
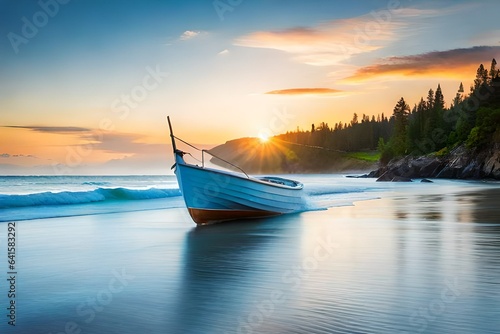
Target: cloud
(126, 143)
(450, 63)
(305, 91)
(223, 52)
(189, 34)
(333, 42)
(51, 129)
(110, 142)
(7, 155)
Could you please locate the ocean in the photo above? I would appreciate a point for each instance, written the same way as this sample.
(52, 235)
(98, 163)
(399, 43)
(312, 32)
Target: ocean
(120, 254)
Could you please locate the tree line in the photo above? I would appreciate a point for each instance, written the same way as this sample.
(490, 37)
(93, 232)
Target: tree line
(360, 134)
(428, 127)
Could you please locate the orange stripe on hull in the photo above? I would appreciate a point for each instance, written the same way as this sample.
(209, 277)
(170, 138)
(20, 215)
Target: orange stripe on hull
(205, 217)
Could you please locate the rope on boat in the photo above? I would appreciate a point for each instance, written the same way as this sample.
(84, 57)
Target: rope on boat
(310, 146)
(192, 156)
(213, 155)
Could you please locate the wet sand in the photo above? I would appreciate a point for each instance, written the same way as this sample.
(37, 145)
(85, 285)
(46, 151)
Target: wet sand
(420, 259)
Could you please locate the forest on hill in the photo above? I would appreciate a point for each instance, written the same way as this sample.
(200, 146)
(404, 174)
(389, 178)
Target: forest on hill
(472, 119)
(429, 127)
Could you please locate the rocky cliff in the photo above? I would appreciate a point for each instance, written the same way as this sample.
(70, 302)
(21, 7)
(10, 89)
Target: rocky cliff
(460, 163)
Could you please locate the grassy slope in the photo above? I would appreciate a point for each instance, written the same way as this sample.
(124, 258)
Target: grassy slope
(370, 156)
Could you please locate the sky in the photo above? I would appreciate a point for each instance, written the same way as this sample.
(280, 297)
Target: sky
(86, 85)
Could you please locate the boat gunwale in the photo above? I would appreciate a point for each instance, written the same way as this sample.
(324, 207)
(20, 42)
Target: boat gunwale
(299, 186)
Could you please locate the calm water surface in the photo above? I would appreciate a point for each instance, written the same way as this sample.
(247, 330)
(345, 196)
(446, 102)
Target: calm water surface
(420, 259)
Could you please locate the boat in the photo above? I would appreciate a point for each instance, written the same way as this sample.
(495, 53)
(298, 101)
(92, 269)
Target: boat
(213, 195)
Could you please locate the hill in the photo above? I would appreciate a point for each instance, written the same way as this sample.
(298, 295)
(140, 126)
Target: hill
(278, 156)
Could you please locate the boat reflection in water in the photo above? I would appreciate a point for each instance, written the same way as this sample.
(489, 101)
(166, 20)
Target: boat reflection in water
(226, 273)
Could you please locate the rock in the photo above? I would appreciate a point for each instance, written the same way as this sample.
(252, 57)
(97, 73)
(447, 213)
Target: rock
(386, 177)
(364, 176)
(390, 176)
(471, 171)
(457, 165)
(491, 167)
(448, 173)
(375, 173)
(460, 163)
(401, 179)
(426, 181)
(431, 168)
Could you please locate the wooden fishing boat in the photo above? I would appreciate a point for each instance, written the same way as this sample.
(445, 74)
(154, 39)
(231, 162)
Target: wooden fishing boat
(212, 195)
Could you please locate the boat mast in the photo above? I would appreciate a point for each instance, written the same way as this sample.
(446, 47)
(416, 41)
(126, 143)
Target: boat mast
(171, 134)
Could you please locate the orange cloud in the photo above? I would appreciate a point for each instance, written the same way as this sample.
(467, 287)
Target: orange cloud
(51, 129)
(450, 63)
(305, 91)
(332, 42)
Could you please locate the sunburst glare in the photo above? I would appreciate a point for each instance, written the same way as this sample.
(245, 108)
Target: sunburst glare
(263, 138)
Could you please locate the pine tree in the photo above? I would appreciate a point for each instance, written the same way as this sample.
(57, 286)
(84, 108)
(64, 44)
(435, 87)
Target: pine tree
(400, 113)
(422, 107)
(493, 69)
(481, 77)
(438, 99)
(459, 96)
(401, 110)
(485, 76)
(430, 99)
(354, 119)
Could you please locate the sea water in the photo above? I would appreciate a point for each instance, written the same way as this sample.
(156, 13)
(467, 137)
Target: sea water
(120, 254)
(32, 197)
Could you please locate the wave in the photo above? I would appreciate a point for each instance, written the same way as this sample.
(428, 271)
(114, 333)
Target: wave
(94, 183)
(82, 197)
(337, 191)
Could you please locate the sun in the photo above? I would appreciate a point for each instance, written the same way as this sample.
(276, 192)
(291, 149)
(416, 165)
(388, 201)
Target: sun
(263, 138)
